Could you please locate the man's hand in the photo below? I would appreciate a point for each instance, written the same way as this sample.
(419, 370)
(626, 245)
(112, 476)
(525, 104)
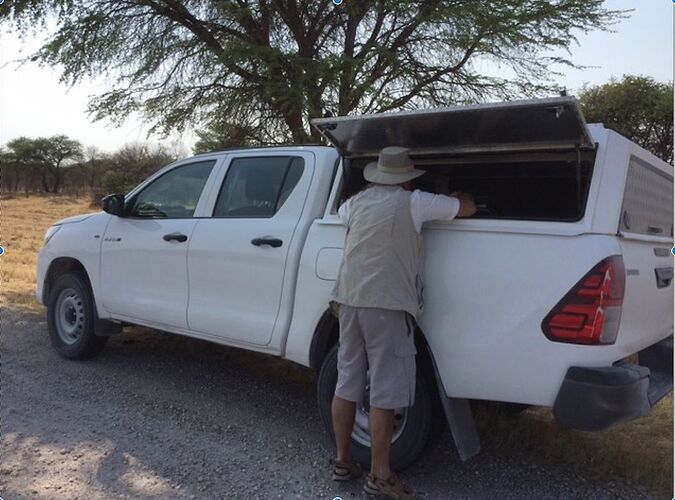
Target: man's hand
(467, 205)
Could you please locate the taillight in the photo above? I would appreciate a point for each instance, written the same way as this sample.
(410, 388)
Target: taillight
(591, 311)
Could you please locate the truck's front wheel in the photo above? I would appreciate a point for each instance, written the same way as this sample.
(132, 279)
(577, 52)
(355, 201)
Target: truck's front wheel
(70, 318)
(412, 426)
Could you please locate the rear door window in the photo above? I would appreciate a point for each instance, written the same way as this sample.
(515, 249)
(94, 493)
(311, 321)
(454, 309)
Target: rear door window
(258, 187)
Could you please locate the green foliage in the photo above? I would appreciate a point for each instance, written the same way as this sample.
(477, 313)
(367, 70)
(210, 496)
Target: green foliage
(637, 107)
(129, 166)
(269, 66)
(222, 135)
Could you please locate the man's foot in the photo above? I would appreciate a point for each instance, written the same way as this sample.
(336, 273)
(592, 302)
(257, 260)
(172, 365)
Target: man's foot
(390, 488)
(346, 471)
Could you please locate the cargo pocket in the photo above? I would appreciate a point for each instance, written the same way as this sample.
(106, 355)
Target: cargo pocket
(405, 351)
(404, 343)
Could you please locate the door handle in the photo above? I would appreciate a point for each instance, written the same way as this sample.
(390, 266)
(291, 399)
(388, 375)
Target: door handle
(267, 240)
(179, 237)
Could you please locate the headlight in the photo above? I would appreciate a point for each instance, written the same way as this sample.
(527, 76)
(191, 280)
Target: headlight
(50, 233)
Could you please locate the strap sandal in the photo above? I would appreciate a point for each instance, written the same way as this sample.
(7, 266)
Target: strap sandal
(346, 471)
(391, 488)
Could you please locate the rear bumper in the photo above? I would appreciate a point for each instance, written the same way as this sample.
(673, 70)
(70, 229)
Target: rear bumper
(595, 398)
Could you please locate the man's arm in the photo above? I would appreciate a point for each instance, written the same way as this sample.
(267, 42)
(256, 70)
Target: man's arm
(428, 206)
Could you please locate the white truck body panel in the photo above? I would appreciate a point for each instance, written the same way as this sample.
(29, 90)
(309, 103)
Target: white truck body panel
(145, 278)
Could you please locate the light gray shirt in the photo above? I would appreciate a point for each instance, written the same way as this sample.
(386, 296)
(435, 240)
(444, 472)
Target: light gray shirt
(383, 247)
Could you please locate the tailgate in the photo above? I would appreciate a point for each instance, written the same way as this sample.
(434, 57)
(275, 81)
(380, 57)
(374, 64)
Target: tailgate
(645, 232)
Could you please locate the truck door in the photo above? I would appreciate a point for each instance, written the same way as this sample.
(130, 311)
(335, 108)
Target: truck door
(143, 255)
(237, 256)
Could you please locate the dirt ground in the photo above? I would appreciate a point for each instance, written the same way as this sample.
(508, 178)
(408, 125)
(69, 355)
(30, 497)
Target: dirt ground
(159, 416)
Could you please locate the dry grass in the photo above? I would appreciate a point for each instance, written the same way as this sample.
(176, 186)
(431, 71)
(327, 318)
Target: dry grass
(640, 451)
(23, 222)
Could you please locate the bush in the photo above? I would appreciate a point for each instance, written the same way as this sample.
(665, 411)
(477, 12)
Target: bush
(129, 166)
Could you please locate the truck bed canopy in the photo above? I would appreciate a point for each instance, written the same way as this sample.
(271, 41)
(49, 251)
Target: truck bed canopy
(530, 125)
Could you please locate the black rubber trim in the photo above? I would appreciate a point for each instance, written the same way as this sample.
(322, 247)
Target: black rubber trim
(595, 398)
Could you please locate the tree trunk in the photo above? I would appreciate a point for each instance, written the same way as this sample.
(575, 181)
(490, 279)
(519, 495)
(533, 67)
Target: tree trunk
(43, 178)
(57, 180)
(92, 179)
(293, 119)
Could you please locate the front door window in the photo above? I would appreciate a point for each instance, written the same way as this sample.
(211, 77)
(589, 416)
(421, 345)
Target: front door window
(174, 195)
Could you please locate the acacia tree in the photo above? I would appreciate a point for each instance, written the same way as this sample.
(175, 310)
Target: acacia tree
(267, 66)
(635, 106)
(46, 157)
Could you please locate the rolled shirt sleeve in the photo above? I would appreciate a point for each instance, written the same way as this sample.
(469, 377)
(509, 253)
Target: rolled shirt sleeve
(343, 212)
(428, 206)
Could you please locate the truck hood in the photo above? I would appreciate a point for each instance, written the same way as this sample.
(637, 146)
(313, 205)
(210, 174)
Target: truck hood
(535, 124)
(75, 218)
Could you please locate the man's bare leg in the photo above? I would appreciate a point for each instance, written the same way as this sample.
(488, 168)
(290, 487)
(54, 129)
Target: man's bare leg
(343, 423)
(381, 423)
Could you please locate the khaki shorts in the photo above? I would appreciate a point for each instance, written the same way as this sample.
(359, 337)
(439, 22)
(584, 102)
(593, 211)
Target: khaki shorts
(382, 342)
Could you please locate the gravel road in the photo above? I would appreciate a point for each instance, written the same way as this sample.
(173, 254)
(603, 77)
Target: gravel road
(160, 416)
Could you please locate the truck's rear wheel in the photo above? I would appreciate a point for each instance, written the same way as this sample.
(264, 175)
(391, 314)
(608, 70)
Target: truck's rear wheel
(70, 318)
(412, 427)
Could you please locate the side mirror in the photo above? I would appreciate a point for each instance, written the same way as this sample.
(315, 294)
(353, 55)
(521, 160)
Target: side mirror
(113, 204)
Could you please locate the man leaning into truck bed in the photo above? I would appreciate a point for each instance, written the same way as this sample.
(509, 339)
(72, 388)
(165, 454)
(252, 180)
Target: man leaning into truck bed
(380, 293)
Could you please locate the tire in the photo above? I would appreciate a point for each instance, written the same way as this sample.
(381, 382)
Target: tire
(71, 318)
(413, 432)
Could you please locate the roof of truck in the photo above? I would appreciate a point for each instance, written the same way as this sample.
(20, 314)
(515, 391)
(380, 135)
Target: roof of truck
(265, 148)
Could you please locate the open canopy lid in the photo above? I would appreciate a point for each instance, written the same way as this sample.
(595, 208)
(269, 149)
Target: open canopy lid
(536, 124)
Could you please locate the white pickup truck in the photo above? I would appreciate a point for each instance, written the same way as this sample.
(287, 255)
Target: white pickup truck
(565, 272)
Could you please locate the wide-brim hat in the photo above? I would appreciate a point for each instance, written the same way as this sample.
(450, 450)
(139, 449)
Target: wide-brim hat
(394, 166)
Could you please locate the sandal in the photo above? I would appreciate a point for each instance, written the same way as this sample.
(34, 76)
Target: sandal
(391, 488)
(346, 471)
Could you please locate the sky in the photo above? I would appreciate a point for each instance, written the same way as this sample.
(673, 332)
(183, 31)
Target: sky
(34, 103)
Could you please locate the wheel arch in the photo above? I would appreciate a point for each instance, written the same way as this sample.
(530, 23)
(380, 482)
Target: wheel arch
(426, 364)
(59, 267)
(63, 265)
(325, 337)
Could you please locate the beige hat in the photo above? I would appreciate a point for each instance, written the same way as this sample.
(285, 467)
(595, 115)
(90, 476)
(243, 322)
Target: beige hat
(393, 166)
